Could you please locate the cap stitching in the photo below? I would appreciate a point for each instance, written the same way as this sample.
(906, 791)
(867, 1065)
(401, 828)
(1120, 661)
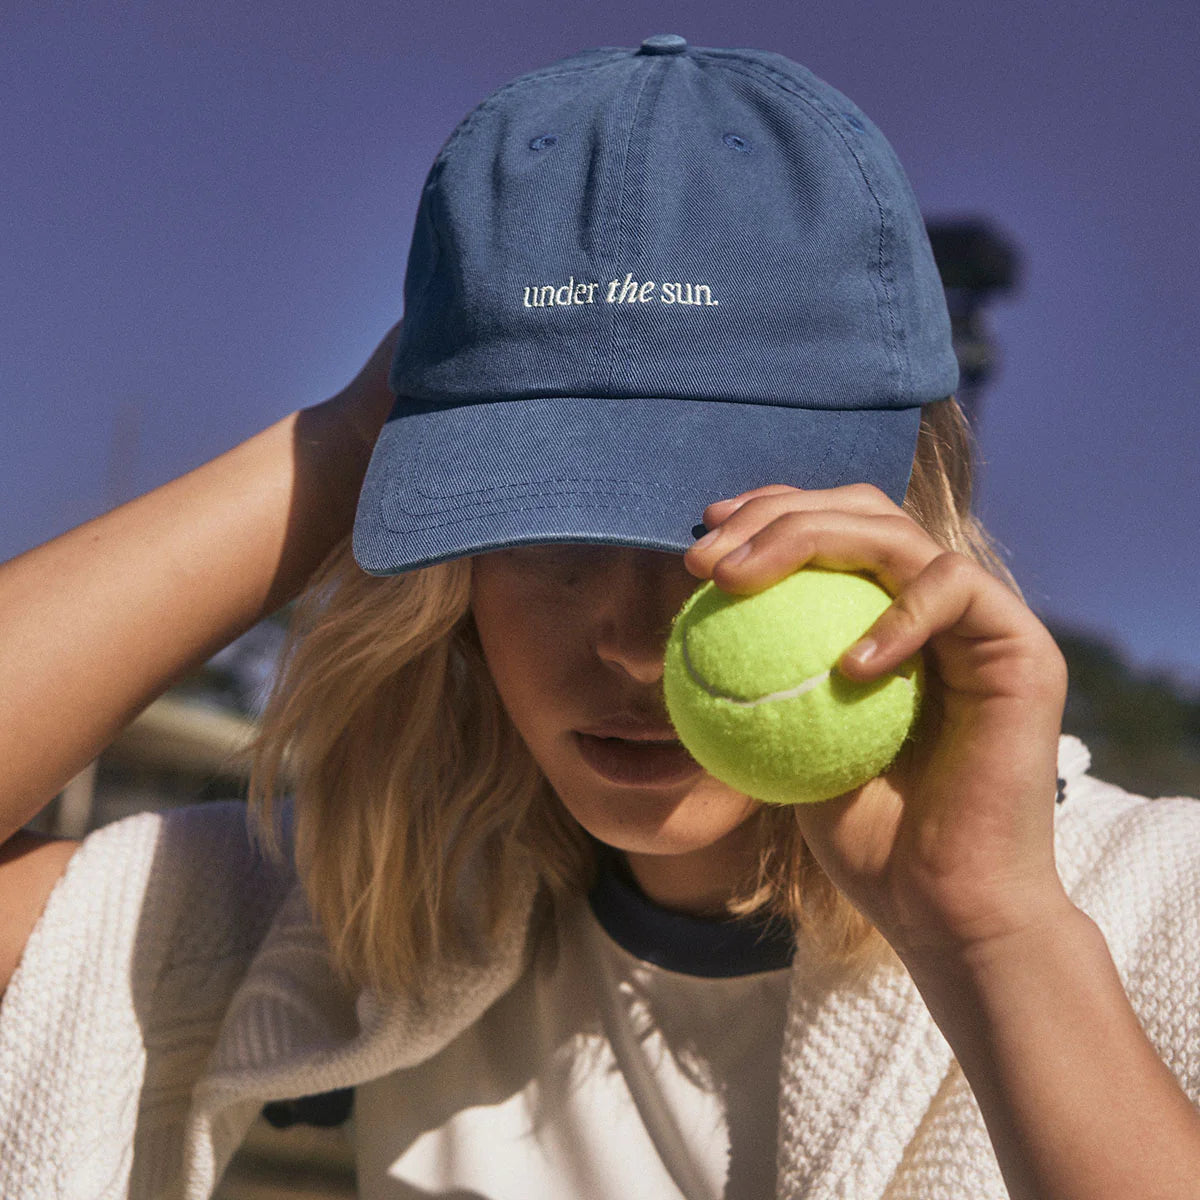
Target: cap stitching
(649, 542)
(621, 234)
(425, 526)
(419, 447)
(828, 115)
(471, 119)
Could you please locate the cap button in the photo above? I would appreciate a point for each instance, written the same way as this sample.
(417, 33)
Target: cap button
(664, 43)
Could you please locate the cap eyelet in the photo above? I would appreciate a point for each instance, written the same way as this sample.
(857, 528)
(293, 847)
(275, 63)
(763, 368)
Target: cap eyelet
(544, 142)
(734, 142)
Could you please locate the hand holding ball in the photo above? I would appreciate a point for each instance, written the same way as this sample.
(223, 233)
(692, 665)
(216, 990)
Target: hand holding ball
(752, 691)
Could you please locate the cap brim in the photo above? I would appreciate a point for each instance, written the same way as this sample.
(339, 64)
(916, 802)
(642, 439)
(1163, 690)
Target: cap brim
(449, 482)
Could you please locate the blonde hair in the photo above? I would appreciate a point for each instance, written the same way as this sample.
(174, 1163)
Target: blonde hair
(416, 804)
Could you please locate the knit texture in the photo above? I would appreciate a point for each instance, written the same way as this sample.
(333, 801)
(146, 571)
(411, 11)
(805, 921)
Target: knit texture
(116, 1003)
(176, 982)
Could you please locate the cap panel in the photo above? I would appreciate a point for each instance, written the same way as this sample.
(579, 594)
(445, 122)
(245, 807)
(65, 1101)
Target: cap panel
(502, 210)
(760, 239)
(911, 295)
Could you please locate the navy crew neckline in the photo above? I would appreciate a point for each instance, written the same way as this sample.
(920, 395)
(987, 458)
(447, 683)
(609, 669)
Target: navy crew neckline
(710, 948)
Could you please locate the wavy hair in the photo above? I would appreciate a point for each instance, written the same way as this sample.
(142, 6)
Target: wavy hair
(416, 804)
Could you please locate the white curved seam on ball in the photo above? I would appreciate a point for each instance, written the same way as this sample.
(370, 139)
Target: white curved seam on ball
(788, 694)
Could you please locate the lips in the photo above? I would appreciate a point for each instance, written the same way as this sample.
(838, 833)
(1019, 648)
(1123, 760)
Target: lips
(632, 730)
(644, 757)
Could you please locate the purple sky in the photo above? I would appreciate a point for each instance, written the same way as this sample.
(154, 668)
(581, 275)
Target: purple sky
(206, 212)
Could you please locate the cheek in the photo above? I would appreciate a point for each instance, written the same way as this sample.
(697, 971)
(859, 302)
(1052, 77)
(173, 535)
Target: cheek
(531, 649)
(518, 666)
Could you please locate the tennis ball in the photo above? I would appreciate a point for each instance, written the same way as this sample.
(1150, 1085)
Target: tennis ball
(750, 690)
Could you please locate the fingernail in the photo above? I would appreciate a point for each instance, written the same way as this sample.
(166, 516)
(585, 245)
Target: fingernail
(862, 652)
(706, 540)
(736, 556)
(736, 501)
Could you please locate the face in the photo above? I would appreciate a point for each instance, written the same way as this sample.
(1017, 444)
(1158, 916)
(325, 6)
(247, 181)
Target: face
(574, 637)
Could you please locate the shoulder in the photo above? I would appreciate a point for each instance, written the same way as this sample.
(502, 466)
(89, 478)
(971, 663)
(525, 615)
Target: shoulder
(30, 866)
(125, 979)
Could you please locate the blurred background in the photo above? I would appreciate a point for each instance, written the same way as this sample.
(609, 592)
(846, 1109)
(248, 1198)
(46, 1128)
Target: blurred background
(206, 212)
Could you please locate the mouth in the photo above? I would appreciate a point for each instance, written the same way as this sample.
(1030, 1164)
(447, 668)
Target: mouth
(637, 762)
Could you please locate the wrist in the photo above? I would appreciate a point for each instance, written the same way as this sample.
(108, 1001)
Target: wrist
(958, 979)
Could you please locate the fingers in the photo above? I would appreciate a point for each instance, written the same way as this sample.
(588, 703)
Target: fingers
(985, 643)
(992, 632)
(939, 596)
(860, 497)
(763, 536)
(892, 548)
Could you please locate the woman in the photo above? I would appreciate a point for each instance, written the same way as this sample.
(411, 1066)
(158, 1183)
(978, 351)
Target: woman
(670, 315)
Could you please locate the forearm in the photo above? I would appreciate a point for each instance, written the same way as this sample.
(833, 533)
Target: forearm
(99, 621)
(1077, 1103)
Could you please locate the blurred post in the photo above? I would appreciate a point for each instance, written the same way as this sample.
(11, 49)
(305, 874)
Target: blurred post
(976, 263)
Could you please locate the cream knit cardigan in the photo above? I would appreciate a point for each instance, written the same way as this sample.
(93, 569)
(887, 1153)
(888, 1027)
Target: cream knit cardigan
(175, 983)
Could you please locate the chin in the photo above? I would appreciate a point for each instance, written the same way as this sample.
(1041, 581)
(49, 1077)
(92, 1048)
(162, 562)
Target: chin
(658, 824)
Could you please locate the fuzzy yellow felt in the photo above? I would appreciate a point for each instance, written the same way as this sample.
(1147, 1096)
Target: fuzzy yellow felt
(751, 690)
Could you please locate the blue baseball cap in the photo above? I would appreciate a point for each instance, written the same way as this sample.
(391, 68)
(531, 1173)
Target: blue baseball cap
(642, 280)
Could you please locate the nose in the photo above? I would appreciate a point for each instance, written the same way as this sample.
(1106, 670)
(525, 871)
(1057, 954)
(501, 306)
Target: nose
(642, 594)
